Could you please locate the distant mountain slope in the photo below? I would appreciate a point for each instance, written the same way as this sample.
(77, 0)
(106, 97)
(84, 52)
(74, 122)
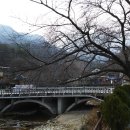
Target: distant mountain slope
(9, 35)
(35, 43)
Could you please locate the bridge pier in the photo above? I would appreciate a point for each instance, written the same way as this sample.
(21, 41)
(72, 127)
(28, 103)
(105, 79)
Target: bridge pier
(62, 104)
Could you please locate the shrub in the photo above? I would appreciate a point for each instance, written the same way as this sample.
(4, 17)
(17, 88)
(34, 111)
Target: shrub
(115, 112)
(122, 93)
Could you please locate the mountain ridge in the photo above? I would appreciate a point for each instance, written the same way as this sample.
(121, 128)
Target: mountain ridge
(8, 35)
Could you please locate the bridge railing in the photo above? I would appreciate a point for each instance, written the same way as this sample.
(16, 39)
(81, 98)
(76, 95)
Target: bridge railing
(59, 91)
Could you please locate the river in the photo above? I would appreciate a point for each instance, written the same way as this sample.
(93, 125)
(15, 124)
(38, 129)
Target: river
(18, 122)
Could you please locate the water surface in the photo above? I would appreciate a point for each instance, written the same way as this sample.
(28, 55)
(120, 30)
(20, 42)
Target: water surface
(18, 122)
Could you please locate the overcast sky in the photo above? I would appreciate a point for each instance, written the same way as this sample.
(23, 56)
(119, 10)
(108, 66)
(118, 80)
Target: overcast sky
(26, 10)
(13, 10)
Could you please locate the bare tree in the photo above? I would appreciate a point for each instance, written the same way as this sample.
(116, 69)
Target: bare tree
(91, 31)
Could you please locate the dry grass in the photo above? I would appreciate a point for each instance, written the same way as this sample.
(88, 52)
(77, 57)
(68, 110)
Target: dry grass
(90, 120)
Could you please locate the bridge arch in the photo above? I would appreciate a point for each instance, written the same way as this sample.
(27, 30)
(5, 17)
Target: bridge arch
(28, 101)
(82, 101)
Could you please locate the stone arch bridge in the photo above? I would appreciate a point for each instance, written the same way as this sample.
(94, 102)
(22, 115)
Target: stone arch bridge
(55, 99)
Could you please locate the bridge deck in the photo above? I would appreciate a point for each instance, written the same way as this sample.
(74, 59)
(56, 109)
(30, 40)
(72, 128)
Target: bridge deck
(56, 92)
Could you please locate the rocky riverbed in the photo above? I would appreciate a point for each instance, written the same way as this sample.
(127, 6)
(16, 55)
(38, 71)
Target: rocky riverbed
(68, 121)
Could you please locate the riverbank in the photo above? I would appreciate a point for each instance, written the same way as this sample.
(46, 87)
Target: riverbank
(75, 120)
